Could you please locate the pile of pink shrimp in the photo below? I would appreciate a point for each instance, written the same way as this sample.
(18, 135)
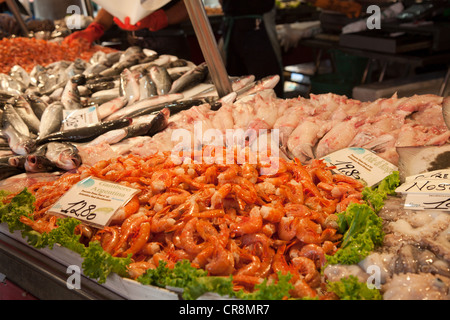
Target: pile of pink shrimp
(227, 219)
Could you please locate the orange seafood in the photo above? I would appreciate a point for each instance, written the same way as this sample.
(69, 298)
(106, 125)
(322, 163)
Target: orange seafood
(224, 218)
(29, 52)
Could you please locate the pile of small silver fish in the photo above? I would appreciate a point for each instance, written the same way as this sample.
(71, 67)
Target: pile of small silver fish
(123, 86)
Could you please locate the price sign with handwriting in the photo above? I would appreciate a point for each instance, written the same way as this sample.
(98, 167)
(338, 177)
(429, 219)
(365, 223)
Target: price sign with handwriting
(93, 201)
(80, 118)
(443, 174)
(427, 202)
(427, 191)
(360, 164)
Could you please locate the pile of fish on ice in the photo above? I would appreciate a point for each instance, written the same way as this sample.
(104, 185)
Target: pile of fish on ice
(134, 93)
(142, 98)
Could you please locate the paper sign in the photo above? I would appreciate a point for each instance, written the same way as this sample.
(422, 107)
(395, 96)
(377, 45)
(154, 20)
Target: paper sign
(360, 164)
(93, 201)
(436, 174)
(427, 202)
(427, 191)
(425, 186)
(79, 118)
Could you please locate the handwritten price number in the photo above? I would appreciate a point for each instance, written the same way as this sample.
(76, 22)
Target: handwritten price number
(78, 209)
(347, 168)
(438, 205)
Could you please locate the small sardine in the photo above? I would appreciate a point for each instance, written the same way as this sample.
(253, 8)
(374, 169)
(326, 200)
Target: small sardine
(20, 75)
(118, 67)
(100, 86)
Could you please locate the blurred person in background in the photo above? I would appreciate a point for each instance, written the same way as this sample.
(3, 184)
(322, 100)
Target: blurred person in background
(250, 43)
(150, 32)
(250, 40)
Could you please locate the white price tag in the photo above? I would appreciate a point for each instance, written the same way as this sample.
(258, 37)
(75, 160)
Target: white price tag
(427, 191)
(79, 118)
(436, 174)
(360, 164)
(425, 186)
(427, 202)
(93, 201)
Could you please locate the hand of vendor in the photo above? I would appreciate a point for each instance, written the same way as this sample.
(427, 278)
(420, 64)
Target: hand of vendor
(92, 33)
(156, 21)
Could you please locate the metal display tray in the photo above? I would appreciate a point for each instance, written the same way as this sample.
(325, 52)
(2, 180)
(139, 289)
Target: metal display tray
(43, 273)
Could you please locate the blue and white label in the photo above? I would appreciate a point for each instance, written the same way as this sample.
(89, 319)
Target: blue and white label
(360, 164)
(93, 201)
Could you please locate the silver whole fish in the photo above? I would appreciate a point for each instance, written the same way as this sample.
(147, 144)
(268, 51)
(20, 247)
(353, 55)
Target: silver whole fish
(110, 107)
(37, 104)
(94, 69)
(10, 116)
(118, 67)
(20, 75)
(10, 86)
(190, 78)
(51, 119)
(18, 143)
(143, 104)
(77, 67)
(38, 162)
(63, 155)
(161, 78)
(98, 57)
(27, 114)
(70, 97)
(129, 85)
(147, 87)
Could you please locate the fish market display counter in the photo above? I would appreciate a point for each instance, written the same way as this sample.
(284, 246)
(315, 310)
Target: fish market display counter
(43, 275)
(53, 274)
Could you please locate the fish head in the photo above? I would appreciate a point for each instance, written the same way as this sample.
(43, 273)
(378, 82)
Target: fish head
(26, 147)
(38, 163)
(68, 160)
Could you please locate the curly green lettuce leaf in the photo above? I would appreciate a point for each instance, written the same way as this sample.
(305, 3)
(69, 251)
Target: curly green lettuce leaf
(375, 196)
(270, 291)
(194, 282)
(21, 205)
(99, 264)
(362, 232)
(352, 289)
